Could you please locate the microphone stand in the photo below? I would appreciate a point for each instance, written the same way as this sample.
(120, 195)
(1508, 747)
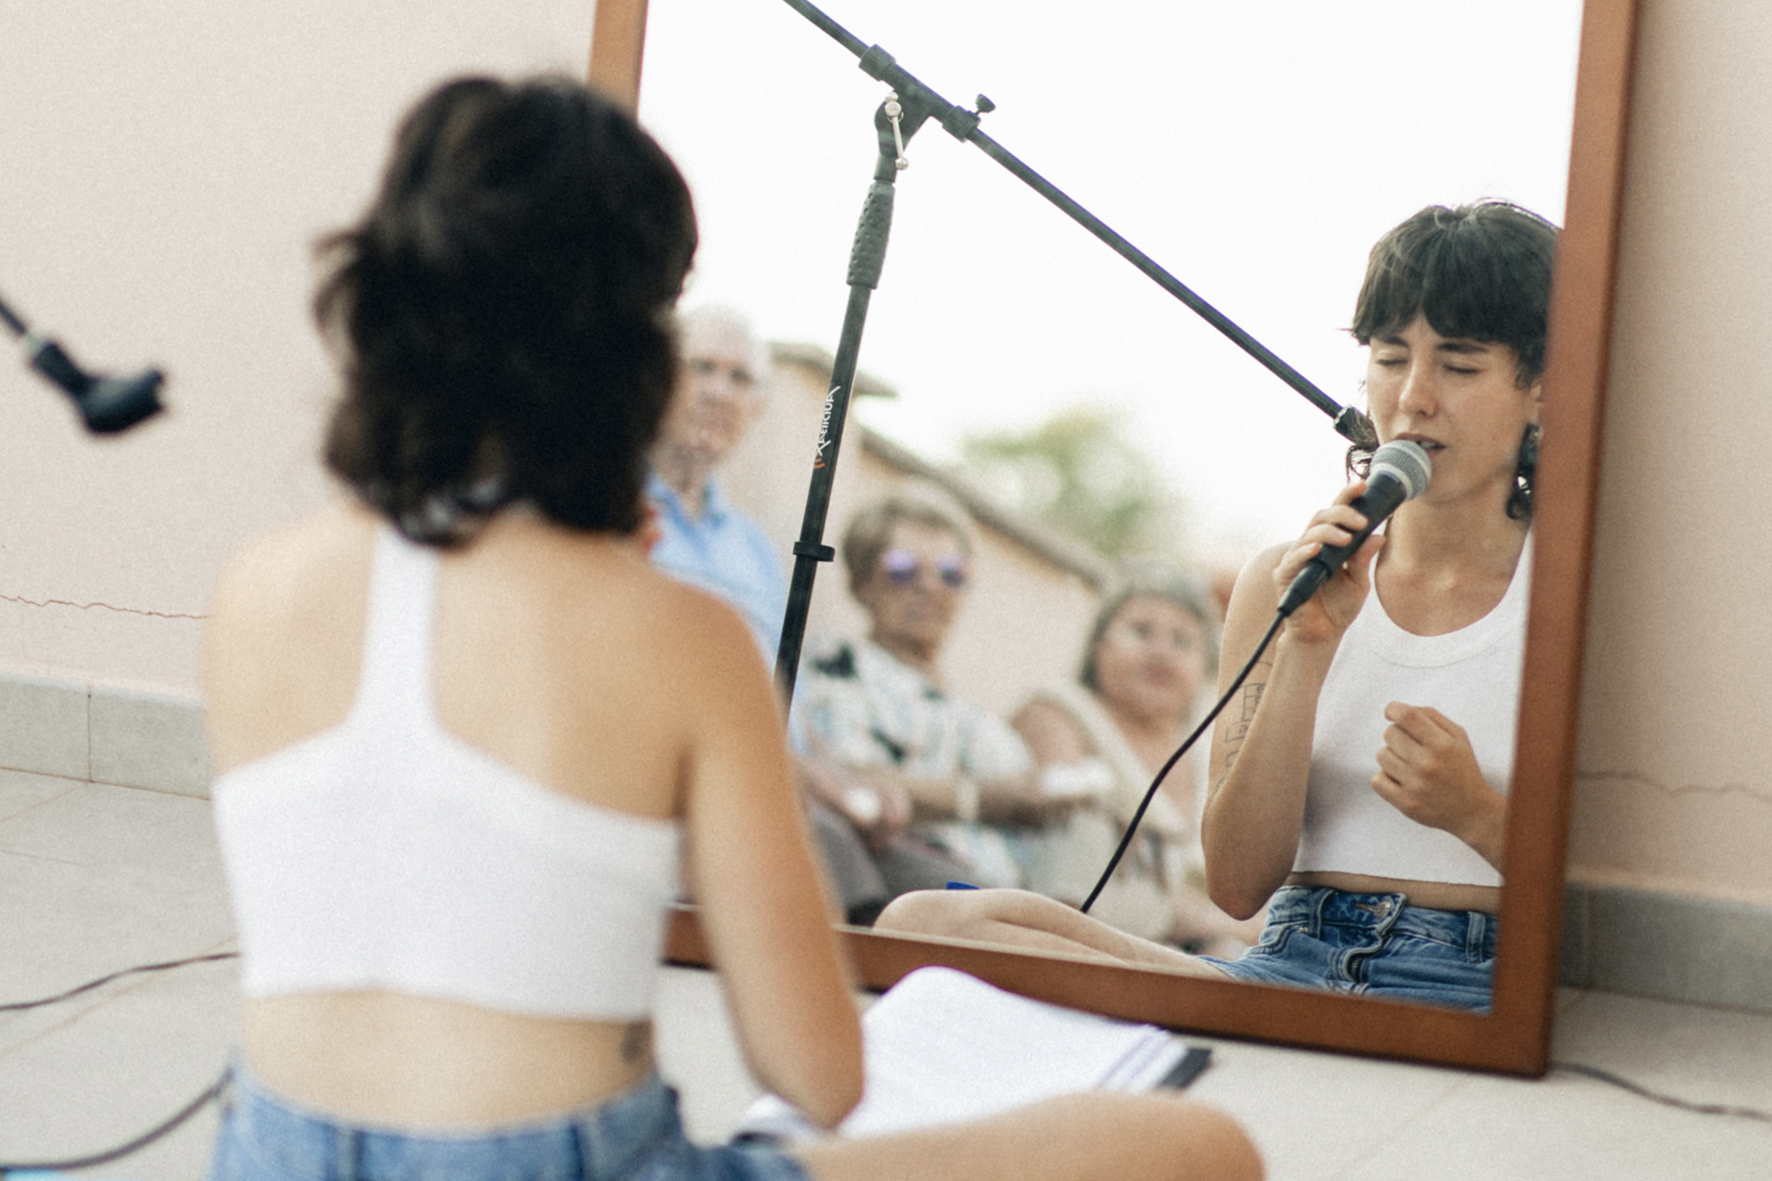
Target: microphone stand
(895, 122)
(905, 110)
(106, 404)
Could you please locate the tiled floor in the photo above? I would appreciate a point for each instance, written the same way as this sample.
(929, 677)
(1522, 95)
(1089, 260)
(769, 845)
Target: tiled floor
(96, 878)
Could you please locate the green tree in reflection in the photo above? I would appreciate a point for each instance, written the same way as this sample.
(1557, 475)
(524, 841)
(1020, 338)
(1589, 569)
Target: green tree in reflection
(1078, 473)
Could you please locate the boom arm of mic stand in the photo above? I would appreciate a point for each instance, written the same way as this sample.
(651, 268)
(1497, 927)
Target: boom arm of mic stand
(963, 125)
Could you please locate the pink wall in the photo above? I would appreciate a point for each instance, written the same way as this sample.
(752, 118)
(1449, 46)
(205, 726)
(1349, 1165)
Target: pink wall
(168, 163)
(1675, 787)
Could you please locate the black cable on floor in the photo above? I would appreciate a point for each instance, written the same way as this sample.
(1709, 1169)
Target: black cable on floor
(90, 985)
(142, 1141)
(1616, 1080)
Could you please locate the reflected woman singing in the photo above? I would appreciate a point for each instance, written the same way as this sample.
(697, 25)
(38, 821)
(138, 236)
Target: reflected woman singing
(1359, 781)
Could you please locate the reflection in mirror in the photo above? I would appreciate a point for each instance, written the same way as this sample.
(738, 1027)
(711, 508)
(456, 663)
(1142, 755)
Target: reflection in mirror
(1358, 784)
(1258, 157)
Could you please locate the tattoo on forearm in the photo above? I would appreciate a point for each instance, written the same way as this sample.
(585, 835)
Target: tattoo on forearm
(1236, 727)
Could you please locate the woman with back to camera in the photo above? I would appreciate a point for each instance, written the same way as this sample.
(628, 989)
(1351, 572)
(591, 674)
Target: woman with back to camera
(1359, 780)
(463, 731)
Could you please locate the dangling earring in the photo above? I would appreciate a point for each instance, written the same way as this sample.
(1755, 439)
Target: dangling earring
(1359, 453)
(1519, 505)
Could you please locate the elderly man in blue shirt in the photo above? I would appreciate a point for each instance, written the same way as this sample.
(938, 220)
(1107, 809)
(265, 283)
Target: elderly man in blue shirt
(703, 539)
(706, 542)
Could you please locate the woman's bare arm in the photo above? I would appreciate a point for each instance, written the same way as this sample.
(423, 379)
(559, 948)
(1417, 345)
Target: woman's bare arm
(1261, 747)
(765, 911)
(1051, 736)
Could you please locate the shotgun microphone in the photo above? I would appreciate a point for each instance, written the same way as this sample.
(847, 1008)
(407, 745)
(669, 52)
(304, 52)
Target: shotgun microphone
(1399, 472)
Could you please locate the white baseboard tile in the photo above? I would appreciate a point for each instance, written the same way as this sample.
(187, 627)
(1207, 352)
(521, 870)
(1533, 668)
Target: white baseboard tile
(146, 740)
(1697, 949)
(103, 734)
(44, 726)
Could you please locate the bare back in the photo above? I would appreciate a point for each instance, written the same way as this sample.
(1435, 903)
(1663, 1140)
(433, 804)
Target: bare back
(563, 655)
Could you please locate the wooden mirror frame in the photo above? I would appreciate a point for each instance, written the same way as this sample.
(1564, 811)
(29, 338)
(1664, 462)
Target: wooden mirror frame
(1514, 1037)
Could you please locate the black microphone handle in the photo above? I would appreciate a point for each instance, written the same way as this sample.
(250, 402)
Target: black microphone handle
(1384, 492)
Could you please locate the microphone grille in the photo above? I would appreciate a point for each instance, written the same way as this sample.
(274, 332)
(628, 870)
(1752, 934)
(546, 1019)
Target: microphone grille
(1407, 463)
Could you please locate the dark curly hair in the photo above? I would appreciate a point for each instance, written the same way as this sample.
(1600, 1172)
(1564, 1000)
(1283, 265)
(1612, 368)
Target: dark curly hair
(1479, 271)
(503, 311)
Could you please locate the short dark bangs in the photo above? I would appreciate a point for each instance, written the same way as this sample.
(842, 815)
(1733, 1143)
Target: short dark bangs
(1482, 272)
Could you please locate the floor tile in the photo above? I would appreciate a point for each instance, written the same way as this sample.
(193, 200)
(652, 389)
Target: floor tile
(1699, 1054)
(1313, 1114)
(20, 791)
(1563, 1128)
(100, 825)
(64, 924)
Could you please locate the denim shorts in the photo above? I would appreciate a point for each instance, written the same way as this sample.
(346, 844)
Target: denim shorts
(1372, 945)
(634, 1137)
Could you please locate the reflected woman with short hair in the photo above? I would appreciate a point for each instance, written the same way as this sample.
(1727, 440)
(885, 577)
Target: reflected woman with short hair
(1359, 780)
(471, 745)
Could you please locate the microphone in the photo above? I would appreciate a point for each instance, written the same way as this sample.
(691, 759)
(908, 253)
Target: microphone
(1399, 472)
(106, 404)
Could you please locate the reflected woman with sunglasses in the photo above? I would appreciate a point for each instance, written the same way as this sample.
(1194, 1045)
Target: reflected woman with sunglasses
(934, 787)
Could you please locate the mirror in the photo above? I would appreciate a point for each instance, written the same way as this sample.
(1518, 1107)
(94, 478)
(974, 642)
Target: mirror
(941, 335)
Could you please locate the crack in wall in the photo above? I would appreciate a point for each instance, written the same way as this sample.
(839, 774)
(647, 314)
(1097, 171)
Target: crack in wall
(1690, 789)
(106, 606)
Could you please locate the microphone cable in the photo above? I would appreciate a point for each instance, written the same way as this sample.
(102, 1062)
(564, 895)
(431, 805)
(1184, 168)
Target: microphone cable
(158, 1130)
(16, 1006)
(142, 1141)
(1186, 745)
(1399, 472)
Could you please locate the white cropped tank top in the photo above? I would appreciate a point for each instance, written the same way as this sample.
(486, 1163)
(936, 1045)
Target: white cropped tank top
(1471, 675)
(386, 853)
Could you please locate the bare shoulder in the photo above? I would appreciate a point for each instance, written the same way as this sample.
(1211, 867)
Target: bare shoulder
(284, 633)
(272, 575)
(1050, 731)
(1256, 579)
(684, 637)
